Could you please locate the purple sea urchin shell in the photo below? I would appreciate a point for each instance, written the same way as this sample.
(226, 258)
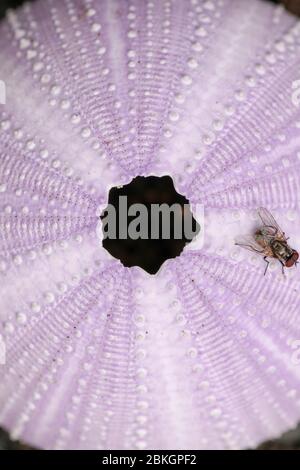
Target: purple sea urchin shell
(204, 354)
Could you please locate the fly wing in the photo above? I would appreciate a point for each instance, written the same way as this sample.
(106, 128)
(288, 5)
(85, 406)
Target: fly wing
(271, 227)
(248, 242)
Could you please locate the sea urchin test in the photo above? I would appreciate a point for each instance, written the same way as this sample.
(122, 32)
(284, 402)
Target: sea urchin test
(96, 352)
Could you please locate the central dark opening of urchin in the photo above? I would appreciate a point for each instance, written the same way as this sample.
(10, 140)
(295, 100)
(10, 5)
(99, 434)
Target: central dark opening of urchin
(147, 222)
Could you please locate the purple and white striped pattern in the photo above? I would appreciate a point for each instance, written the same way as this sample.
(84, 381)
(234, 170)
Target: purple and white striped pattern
(203, 354)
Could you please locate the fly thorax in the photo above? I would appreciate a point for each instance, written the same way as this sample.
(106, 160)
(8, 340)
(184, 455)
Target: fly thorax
(281, 250)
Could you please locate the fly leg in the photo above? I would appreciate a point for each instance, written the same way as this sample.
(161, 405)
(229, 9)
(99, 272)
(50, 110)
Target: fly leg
(282, 267)
(268, 262)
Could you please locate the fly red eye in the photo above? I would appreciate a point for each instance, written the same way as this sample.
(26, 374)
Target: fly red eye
(289, 263)
(292, 260)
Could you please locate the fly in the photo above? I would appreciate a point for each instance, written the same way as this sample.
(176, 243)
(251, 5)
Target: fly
(270, 242)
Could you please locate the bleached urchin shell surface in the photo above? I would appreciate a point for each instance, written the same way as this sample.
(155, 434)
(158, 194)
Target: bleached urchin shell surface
(203, 354)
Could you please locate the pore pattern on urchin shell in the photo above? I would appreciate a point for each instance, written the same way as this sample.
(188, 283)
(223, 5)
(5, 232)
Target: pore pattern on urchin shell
(203, 354)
